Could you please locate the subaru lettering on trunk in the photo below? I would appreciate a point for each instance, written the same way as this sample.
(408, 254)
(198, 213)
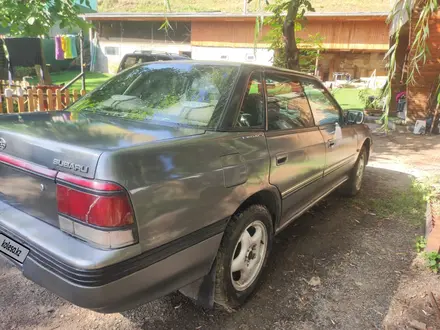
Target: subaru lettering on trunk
(71, 166)
(170, 176)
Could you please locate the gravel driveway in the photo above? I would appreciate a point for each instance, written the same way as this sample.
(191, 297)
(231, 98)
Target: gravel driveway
(356, 256)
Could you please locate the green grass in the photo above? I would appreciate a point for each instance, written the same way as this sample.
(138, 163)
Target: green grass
(93, 79)
(408, 203)
(235, 5)
(348, 98)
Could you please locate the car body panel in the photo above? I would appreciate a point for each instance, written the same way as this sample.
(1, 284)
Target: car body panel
(184, 184)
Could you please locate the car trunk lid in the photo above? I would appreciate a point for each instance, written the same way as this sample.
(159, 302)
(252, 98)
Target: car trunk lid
(35, 147)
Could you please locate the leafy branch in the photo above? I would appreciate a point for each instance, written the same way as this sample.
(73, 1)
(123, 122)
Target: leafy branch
(36, 17)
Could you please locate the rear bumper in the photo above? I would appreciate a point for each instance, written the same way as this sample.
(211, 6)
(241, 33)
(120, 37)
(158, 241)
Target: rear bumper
(89, 277)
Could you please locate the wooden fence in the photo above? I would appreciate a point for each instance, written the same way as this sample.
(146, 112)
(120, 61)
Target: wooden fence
(32, 99)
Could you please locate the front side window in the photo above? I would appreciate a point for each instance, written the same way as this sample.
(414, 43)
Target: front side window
(287, 106)
(325, 111)
(176, 93)
(252, 109)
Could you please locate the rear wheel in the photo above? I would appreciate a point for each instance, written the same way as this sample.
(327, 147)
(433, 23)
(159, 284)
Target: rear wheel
(242, 256)
(354, 183)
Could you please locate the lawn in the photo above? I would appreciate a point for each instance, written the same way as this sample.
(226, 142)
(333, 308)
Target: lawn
(93, 79)
(348, 98)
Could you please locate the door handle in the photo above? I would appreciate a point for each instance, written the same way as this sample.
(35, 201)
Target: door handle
(331, 143)
(281, 159)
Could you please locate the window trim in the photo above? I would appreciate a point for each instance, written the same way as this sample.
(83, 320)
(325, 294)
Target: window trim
(263, 126)
(289, 130)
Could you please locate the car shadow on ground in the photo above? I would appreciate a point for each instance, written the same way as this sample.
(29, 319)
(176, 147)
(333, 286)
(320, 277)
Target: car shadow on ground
(357, 255)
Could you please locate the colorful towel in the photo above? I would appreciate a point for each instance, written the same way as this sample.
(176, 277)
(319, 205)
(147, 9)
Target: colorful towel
(63, 44)
(73, 46)
(68, 50)
(59, 52)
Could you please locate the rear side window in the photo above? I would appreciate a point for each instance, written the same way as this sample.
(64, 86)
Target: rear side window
(147, 58)
(129, 61)
(324, 109)
(287, 106)
(252, 110)
(162, 58)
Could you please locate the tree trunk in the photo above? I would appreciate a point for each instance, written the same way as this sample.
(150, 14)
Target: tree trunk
(291, 48)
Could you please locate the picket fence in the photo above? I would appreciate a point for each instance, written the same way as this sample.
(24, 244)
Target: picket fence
(20, 98)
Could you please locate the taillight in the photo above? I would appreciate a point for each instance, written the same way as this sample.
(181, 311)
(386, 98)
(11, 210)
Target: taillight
(98, 212)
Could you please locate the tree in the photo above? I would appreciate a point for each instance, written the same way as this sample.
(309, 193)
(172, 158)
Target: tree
(36, 17)
(419, 50)
(287, 18)
(307, 57)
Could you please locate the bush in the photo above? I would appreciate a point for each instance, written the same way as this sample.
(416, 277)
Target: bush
(371, 98)
(20, 72)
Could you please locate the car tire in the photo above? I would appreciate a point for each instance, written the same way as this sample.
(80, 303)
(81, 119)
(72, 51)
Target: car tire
(354, 183)
(245, 246)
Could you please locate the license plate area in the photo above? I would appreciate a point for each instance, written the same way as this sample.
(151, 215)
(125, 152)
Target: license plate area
(12, 249)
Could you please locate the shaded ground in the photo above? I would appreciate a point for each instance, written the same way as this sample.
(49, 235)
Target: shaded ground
(361, 249)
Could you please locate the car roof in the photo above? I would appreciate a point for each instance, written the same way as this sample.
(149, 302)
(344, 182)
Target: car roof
(250, 66)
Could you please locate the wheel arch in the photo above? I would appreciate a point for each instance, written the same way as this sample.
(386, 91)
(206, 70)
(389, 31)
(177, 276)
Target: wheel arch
(367, 144)
(270, 198)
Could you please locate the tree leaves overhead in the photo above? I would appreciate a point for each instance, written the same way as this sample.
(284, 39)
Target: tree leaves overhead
(37, 17)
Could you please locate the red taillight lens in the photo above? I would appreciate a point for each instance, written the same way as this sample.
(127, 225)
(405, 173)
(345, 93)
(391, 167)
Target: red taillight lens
(99, 210)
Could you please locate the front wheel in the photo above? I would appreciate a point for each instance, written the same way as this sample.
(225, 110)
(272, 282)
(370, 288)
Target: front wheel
(354, 183)
(242, 256)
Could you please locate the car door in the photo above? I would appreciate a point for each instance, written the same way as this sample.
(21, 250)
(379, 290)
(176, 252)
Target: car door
(296, 146)
(340, 139)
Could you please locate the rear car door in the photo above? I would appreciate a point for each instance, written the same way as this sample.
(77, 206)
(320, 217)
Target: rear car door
(296, 146)
(340, 139)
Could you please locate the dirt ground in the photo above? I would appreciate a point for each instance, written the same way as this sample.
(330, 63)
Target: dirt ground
(361, 249)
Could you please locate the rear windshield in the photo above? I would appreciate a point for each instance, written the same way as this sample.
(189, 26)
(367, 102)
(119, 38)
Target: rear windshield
(177, 93)
(132, 60)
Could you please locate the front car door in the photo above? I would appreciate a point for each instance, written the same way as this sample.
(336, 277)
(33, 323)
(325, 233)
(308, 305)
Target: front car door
(296, 146)
(340, 139)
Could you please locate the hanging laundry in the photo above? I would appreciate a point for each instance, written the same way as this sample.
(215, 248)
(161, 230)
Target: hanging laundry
(63, 44)
(59, 52)
(68, 50)
(73, 46)
(24, 51)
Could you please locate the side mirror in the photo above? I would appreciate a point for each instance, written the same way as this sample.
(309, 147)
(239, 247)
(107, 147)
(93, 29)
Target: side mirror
(354, 117)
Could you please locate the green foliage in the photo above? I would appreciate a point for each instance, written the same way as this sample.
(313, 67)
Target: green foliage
(433, 261)
(420, 244)
(371, 98)
(20, 72)
(37, 17)
(406, 204)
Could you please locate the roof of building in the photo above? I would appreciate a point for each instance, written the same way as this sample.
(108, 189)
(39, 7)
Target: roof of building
(219, 15)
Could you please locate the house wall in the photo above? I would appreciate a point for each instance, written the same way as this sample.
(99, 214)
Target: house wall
(348, 34)
(418, 95)
(260, 56)
(356, 64)
(234, 40)
(337, 34)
